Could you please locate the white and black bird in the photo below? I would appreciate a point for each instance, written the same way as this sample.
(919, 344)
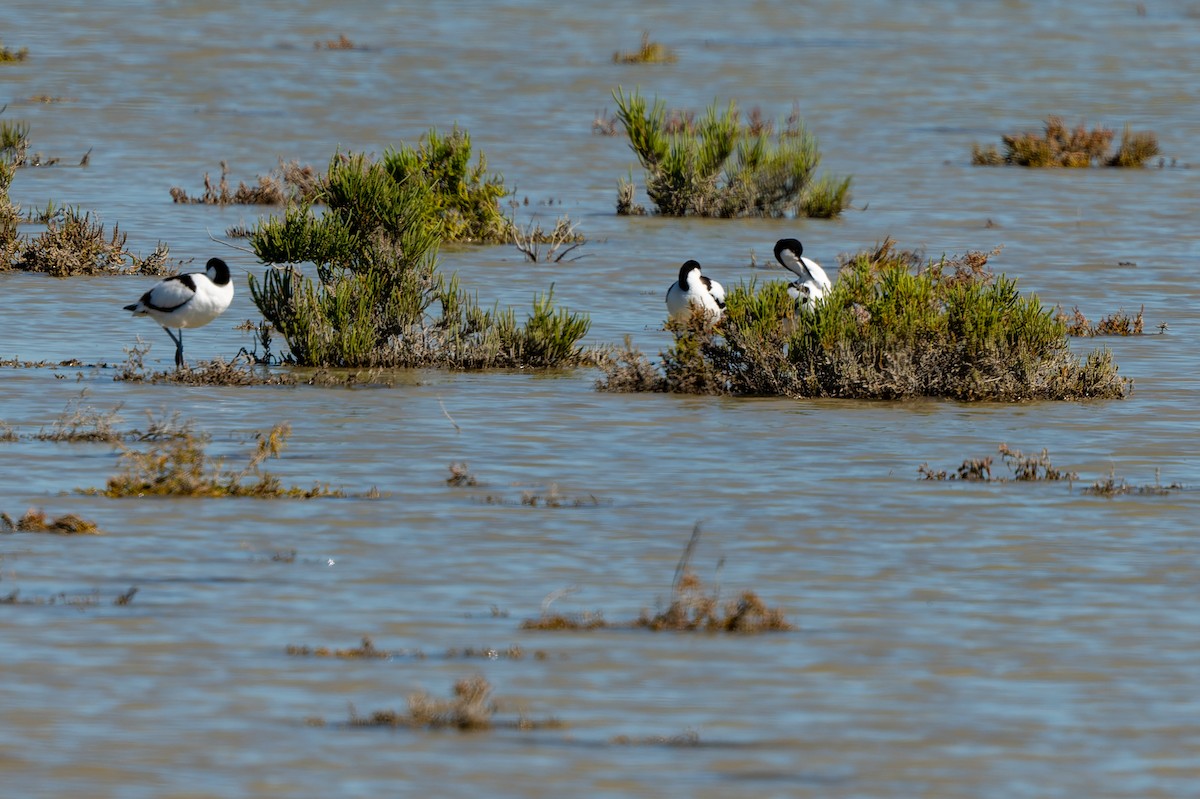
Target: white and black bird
(190, 300)
(694, 290)
(812, 283)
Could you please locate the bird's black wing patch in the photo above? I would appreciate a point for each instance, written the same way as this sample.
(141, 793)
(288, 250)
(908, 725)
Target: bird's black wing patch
(186, 280)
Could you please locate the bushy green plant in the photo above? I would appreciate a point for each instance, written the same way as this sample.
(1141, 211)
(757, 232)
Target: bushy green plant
(718, 167)
(467, 198)
(891, 327)
(377, 292)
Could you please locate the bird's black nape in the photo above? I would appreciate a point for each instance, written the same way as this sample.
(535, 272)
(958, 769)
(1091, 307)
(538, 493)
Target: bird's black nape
(683, 272)
(219, 270)
(793, 245)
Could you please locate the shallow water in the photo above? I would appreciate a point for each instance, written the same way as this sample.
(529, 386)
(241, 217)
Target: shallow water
(954, 640)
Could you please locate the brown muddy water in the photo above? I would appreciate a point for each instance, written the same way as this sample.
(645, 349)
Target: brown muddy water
(998, 640)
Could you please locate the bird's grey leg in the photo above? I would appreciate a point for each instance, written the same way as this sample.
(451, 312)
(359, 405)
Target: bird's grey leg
(178, 346)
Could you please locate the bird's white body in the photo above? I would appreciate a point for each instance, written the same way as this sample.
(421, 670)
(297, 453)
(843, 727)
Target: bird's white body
(694, 290)
(190, 300)
(812, 283)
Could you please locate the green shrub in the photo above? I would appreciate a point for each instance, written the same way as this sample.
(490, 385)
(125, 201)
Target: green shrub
(377, 290)
(891, 327)
(719, 167)
(466, 197)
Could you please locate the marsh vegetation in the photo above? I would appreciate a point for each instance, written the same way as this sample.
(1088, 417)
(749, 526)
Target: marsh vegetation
(694, 606)
(36, 520)
(377, 298)
(470, 709)
(180, 466)
(1061, 146)
(893, 326)
(716, 166)
(649, 52)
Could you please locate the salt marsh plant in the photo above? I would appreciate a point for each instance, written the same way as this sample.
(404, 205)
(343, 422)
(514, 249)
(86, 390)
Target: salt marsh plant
(891, 327)
(76, 243)
(181, 467)
(9, 55)
(290, 182)
(471, 709)
(694, 607)
(377, 298)
(650, 52)
(1021, 466)
(35, 520)
(1061, 146)
(718, 167)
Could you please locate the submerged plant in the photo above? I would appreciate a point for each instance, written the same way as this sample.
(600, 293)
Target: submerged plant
(718, 167)
(180, 466)
(290, 182)
(471, 709)
(693, 608)
(1023, 468)
(1060, 146)
(36, 521)
(890, 327)
(9, 55)
(1116, 324)
(377, 292)
(648, 53)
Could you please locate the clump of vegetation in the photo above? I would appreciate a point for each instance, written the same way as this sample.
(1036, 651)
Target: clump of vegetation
(1023, 468)
(1060, 146)
(77, 423)
(648, 53)
(290, 182)
(1112, 486)
(9, 55)
(75, 243)
(891, 327)
(693, 608)
(35, 520)
(342, 42)
(460, 476)
(377, 287)
(464, 196)
(1038, 468)
(562, 241)
(181, 467)
(471, 709)
(717, 167)
(1117, 324)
